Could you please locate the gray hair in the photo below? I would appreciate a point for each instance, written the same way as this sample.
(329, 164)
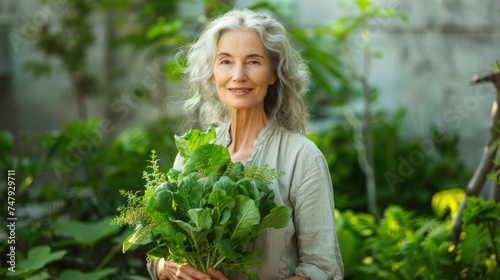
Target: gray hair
(283, 104)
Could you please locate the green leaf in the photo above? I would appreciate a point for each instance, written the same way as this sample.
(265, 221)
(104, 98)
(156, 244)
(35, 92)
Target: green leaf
(476, 240)
(220, 230)
(480, 211)
(42, 275)
(209, 160)
(447, 201)
(246, 216)
(189, 195)
(278, 218)
(87, 233)
(140, 236)
(226, 184)
(94, 275)
(160, 251)
(266, 206)
(127, 244)
(186, 227)
(206, 184)
(252, 258)
(201, 218)
(169, 233)
(191, 140)
(153, 210)
(164, 204)
(364, 4)
(350, 251)
(38, 257)
(164, 28)
(6, 142)
(196, 235)
(173, 175)
(237, 169)
(166, 186)
(226, 249)
(252, 188)
(221, 202)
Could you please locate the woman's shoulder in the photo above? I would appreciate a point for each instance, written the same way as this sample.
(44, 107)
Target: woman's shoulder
(300, 142)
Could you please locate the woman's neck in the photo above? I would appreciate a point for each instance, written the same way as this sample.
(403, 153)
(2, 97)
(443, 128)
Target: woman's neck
(245, 128)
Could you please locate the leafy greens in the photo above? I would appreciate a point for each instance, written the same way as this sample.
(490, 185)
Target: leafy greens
(206, 213)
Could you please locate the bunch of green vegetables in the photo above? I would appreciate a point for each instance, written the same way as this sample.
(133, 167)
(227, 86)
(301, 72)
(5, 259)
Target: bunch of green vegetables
(205, 213)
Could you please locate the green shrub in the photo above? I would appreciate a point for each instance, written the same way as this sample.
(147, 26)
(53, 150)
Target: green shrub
(404, 245)
(67, 191)
(408, 171)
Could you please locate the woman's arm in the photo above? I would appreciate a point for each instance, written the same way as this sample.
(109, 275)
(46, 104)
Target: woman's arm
(314, 218)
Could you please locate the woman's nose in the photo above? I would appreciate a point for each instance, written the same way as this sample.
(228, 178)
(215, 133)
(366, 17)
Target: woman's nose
(239, 74)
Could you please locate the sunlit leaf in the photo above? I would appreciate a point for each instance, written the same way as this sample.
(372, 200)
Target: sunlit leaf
(38, 257)
(447, 201)
(93, 275)
(86, 233)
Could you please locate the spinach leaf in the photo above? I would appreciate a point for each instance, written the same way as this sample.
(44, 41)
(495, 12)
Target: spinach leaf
(193, 139)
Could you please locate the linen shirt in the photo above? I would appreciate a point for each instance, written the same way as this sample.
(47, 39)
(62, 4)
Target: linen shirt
(308, 246)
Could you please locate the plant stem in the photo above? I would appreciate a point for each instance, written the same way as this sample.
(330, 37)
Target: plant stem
(88, 258)
(492, 237)
(109, 256)
(363, 132)
(219, 261)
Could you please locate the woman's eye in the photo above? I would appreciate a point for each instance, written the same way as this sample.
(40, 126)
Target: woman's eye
(225, 61)
(254, 62)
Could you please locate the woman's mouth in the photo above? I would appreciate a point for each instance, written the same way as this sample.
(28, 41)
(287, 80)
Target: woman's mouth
(240, 91)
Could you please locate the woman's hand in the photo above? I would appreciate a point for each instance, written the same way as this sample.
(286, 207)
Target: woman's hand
(296, 277)
(169, 270)
(217, 274)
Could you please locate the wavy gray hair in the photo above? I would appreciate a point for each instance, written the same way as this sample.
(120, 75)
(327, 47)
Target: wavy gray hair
(283, 104)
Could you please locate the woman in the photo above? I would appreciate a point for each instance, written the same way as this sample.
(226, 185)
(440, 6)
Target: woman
(249, 81)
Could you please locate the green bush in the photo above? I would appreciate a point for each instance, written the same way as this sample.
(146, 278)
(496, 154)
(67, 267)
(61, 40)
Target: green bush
(67, 191)
(408, 171)
(404, 245)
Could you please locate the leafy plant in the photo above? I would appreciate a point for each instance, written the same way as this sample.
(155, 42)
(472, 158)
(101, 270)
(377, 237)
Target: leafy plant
(207, 212)
(481, 252)
(38, 257)
(439, 168)
(406, 245)
(67, 190)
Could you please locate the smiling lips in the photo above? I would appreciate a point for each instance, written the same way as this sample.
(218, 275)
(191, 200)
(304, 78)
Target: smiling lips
(239, 91)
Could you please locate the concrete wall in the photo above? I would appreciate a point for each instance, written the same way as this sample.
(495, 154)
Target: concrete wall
(47, 102)
(428, 62)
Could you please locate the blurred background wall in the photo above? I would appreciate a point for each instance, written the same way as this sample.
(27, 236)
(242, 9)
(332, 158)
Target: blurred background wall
(425, 67)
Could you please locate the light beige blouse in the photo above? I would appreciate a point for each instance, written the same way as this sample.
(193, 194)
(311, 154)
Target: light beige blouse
(308, 246)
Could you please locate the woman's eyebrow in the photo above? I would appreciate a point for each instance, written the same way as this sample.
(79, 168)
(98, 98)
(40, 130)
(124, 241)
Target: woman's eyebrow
(250, 55)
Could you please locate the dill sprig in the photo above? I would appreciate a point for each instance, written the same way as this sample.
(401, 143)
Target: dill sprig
(263, 173)
(134, 213)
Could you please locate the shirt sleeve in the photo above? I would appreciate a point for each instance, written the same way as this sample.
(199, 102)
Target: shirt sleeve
(151, 266)
(314, 217)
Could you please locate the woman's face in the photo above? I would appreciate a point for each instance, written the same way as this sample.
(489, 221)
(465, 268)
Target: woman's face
(242, 70)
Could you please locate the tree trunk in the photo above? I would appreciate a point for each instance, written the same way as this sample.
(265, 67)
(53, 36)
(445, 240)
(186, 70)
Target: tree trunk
(486, 165)
(80, 89)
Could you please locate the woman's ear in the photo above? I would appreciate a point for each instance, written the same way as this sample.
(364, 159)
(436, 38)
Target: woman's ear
(273, 78)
